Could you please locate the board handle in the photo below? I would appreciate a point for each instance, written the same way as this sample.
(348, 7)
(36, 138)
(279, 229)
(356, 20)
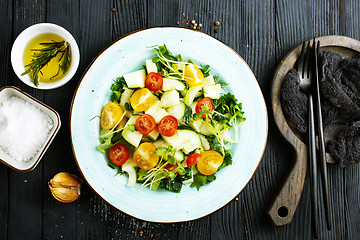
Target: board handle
(284, 205)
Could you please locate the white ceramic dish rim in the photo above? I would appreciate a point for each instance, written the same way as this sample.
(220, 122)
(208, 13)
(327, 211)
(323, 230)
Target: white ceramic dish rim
(29, 33)
(31, 164)
(85, 169)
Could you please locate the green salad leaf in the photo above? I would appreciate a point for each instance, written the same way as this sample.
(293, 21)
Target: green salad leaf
(200, 180)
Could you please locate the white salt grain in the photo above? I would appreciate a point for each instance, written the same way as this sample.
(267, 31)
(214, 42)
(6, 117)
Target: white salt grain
(24, 128)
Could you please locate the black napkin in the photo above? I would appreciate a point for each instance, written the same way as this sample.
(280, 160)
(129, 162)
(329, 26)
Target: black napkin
(340, 99)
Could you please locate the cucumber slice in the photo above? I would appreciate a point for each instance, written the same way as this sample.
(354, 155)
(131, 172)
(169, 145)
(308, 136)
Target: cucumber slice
(154, 107)
(187, 140)
(191, 140)
(206, 129)
(125, 97)
(196, 124)
(209, 80)
(176, 141)
(193, 106)
(129, 167)
(150, 66)
(191, 93)
(160, 143)
(179, 156)
(135, 79)
(228, 136)
(212, 91)
(170, 98)
(134, 138)
(181, 111)
(153, 135)
(159, 115)
(169, 84)
(204, 142)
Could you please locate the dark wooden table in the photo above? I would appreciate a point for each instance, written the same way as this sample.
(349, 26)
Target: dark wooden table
(261, 31)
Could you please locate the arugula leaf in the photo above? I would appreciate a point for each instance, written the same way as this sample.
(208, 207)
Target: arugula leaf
(217, 80)
(205, 70)
(186, 174)
(117, 89)
(227, 159)
(112, 165)
(173, 185)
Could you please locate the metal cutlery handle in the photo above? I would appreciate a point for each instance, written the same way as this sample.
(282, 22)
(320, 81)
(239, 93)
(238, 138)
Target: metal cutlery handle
(320, 129)
(313, 167)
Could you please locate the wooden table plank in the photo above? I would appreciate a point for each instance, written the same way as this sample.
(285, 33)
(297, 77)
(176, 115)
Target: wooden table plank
(349, 27)
(25, 189)
(252, 35)
(6, 36)
(60, 219)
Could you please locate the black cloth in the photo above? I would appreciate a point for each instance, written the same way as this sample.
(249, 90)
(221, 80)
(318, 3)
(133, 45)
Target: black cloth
(340, 99)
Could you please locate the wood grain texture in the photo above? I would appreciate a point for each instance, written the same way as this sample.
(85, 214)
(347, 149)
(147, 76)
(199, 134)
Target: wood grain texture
(352, 173)
(5, 68)
(262, 32)
(25, 189)
(60, 219)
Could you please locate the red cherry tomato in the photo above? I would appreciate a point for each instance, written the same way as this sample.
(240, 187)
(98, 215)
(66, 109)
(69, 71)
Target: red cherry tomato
(206, 101)
(119, 154)
(171, 167)
(145, 124)
(168, 126)
(153, 81)
(193, 159)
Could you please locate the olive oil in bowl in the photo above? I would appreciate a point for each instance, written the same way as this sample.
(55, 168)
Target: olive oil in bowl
(47, 58)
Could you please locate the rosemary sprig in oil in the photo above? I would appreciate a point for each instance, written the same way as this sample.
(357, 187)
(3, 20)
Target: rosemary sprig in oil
(43, 56)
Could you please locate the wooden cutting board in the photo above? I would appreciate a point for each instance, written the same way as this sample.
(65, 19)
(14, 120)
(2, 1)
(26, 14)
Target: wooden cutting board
(284, 205)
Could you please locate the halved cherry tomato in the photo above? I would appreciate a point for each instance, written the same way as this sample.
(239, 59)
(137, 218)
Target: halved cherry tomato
(168, 126)
(209, 162)
(171, 167)
(153, 81)
(145, 156)
(119, 154)
(110, 115)
(206, 101)
(193, 159)
(141, 99)
(193, 75)
(145, 124)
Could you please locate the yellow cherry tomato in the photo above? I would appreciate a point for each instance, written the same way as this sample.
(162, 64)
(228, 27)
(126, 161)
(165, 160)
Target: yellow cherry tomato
(193, 75)
(110, 115)
(145, 156)
(209, 162)
(141, 99)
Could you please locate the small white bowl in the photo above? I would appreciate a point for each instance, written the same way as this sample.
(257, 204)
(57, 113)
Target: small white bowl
(25, 166)
(17, 53)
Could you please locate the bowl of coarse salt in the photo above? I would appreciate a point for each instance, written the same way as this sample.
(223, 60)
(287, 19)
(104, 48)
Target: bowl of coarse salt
(27, 128)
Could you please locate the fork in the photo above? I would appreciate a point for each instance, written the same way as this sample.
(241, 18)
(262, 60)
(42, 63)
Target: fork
(305, 75)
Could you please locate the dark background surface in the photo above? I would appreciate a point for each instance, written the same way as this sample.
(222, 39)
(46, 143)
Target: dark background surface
(261, 31)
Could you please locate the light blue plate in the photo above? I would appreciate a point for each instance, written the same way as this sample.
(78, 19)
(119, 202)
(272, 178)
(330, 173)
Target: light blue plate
(128, 54)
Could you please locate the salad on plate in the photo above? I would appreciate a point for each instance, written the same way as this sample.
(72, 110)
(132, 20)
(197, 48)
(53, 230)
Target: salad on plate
(170, 123)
